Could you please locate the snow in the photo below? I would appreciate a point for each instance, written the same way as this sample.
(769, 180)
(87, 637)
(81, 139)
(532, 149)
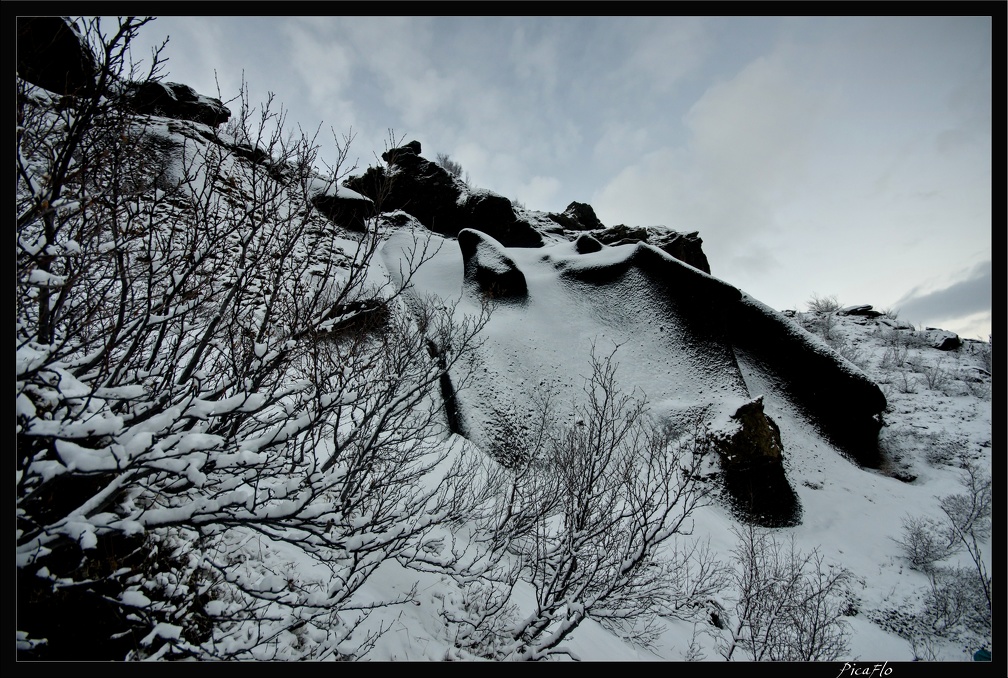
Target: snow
(853, 515)
(939, 406)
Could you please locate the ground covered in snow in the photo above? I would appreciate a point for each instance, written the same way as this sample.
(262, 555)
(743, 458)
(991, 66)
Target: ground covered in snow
(939, 416)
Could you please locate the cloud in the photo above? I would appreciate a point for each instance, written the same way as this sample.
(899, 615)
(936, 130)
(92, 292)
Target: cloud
(968, 296)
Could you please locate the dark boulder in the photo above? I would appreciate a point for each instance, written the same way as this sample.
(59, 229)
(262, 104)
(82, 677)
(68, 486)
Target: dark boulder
(753, 461)
(585, 244)
(403, 155)
(487, 265)
(862, 310)
(52, 53)
(578, 216)
(494, 215)
(344, 207)
(943, 340)
(175, 100)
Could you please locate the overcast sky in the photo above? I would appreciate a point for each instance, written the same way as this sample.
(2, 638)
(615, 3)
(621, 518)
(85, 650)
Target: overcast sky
(841, 156)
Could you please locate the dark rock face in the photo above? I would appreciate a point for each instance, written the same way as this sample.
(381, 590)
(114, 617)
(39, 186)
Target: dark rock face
(585, 244)
(845, 403)
(752, 459)
(439, 201)
(404, 155)
(346, 209)
(862, 309)
(487, 264)
(686, 247)
(52, 53)
(943, 340)
(174, 100)
(578, 216)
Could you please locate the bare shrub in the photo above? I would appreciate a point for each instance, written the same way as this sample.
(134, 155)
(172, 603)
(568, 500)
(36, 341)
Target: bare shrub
(453, 167)
(823, 304)
(849, 352)
(905, 381)
(791, 605)
(897, 349)
(584, 517)
(956, 594)
(936, 376)
(199, 382)
(925, 541)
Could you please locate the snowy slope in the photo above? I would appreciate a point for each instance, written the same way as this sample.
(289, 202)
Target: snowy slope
(851, 514)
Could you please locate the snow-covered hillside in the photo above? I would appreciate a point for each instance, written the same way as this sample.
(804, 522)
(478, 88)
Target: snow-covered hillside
(259, 417)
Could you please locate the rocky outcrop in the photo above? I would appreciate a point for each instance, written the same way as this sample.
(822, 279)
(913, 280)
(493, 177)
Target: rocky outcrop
(686, 247)
(753, 462)
(343, 207)
(174, 100)
(585, 244)
(578, 216)
(860, 309)
(52, 53)
(943, 340)
(845, 403)
(486, 264)
(441, 202)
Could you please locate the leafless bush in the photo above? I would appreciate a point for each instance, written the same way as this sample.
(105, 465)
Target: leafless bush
(790, 604)
(905, 381)
(823, 304)
(925, 541)
(584, 520)
(453, 167)
(897, 349)
(196, 379)
(955, 593)
(936, 376)
(943, 451)
(849, 352)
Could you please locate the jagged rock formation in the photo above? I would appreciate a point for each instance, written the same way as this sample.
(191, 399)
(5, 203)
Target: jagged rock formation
(440, 201)
(843, 401)
(686, 335)
(686, 247)
(578, 216)
(52, 54)
(174, 100)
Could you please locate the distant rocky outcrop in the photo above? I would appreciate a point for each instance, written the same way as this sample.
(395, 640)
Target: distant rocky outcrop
(175, 100)
(441, 202)
(52, 53)
(578, 216)
(686, 247)
(943, 340)
(865, 310)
